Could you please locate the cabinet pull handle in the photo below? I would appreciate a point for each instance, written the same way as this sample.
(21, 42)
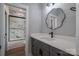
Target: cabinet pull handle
(0, 46)
(58, 54)
(40, 52)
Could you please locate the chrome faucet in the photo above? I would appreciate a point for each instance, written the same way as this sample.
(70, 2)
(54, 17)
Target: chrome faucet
(51, 33)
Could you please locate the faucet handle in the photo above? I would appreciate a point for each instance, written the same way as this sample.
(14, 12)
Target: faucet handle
(50, 32)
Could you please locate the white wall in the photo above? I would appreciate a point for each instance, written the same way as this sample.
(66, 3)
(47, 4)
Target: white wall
(77, 28)
(69, 27)
(34, 18)
(2, 28)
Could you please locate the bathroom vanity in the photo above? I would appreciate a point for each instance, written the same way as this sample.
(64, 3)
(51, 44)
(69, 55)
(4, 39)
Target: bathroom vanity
(42, 45)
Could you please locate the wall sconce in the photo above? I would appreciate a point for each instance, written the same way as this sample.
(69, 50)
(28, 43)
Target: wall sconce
(49, 4)
(73, 8)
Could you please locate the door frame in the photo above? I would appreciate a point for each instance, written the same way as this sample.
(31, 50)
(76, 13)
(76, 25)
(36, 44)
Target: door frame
(27, 24)
(2, 28)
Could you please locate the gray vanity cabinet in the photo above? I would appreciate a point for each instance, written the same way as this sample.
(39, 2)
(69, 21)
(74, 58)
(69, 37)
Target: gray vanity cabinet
(40, 48)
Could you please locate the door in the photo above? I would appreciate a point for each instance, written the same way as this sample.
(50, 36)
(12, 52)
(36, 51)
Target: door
(2, 29)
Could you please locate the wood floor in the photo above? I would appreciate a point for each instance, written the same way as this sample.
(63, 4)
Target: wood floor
(20, 51)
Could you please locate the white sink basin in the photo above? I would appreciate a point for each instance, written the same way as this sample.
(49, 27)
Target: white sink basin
(47, 38)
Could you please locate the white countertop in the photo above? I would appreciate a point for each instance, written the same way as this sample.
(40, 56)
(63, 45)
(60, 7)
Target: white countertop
(64, 43)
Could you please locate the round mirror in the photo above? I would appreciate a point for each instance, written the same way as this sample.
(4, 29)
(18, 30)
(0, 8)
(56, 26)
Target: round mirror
(55, 18)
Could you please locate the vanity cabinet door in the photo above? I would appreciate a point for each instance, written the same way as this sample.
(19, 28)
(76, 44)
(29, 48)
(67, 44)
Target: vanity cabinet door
(57, 52)
(39, 48)
(42, 49)
(42, 52)
(34, 50)
(34, 45)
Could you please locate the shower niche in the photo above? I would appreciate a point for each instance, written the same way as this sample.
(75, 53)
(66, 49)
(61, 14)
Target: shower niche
(16, 23)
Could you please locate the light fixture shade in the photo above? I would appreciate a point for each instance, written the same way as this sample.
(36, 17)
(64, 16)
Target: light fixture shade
(49, 4)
